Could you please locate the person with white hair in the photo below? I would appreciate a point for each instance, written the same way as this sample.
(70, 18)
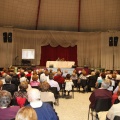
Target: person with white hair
(7, 112)
(114, 111)
(102, 92)
(44, 110)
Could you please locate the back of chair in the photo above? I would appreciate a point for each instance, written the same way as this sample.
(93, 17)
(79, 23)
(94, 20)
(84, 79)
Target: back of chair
(103, 104)
(55, 92)
(117, 118)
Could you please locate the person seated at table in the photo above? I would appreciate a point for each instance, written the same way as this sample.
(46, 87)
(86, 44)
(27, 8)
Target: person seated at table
(63, 59)
(58, 59)
(7, 112)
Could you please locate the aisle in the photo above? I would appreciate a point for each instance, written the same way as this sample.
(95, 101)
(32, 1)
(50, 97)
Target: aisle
(75, 109)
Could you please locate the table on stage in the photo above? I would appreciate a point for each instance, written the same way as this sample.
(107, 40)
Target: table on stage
(60, 64)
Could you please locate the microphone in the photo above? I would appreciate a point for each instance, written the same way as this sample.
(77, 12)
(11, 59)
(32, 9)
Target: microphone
(16, 57)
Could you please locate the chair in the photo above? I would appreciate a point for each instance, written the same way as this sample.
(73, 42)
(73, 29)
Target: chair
(91, 82)
(116, 118)
(101, 105)
(37, 87)
(55, 92)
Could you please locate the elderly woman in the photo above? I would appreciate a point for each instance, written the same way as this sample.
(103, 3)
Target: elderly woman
(46, 95)
(20, 97)
(7, 112)
(35, 81)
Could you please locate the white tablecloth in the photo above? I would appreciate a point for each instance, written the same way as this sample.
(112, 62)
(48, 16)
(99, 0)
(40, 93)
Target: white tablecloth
(60, 64)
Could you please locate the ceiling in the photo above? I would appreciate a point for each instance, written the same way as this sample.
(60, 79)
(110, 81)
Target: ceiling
(61, 15)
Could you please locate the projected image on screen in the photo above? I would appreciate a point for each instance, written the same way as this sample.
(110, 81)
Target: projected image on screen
(28, 53)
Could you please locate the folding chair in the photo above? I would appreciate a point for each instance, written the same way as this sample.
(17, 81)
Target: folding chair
(102, 104)
(117, 118)
(55, 92)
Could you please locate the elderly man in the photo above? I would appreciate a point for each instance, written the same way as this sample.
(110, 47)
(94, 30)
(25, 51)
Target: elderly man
(100, 93)
(44, 110)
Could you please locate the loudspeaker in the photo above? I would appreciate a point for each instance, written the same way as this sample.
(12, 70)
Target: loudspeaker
(9, 37)
(110, 41)
(5, 37)
(115, 41)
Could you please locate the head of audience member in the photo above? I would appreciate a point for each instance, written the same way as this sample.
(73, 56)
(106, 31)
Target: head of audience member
(59, 69)
(8, 79)
(22, 74)
(44, 86)
(92, 73)
(73, 74)
(84, 72)
(68, 76)
(97, 73)
(5, 98)
(46, 72)
(33, 95)
(58, 73)
(105, 84)
(51, 76)
(1, 84)
(35, 77)
(26, 113)
(114, 76)
(29, 71)
(43, 77)
(103, 75)
(4, 75)
(23, 86)
(5, 70)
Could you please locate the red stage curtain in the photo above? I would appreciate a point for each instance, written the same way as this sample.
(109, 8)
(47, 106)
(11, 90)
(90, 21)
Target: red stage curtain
(49, 53)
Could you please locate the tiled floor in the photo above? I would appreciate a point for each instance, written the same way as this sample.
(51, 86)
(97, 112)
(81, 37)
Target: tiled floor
(76, 109)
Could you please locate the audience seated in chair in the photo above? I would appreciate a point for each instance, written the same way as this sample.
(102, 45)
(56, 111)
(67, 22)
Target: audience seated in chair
(46, 94)
(54, 87)
(44, 110)
(114, 111)
(115, 95)
(100, 79)
(82, 81)
(7, 112)
(20, 97)
(74, 78)
(9, 86)
(53, 83)
(58, 78)
(100, 93)
(34, 82)
(91, 81)
(26, 113)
